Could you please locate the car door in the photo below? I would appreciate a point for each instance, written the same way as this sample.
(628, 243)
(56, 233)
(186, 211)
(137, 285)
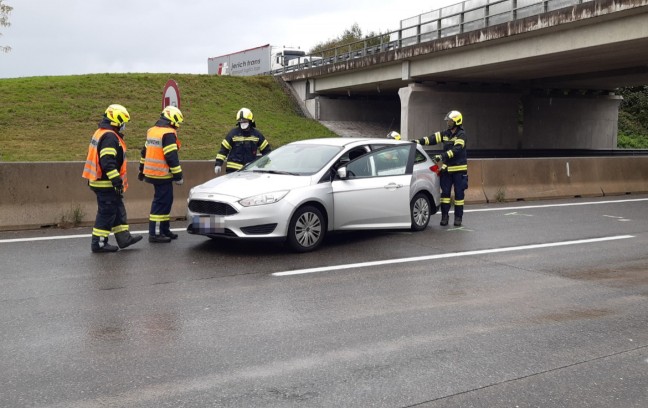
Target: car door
(375, 193)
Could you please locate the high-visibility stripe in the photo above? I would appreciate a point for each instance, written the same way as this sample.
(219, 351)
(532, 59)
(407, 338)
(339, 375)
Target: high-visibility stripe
(437, 137)
(463, 167)
(119, 228)
(170, 148)
(100, 233)
(112, 174)
(158, 217)
(101, 183)
(175, 170)
(221, 157)
(108, 150)
(234, 165)
(460, 142)
(459, 202)
(254, 139)
(445, 200)
(226, 144)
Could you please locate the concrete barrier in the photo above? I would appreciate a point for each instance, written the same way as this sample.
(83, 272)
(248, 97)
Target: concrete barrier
(547, 178)
(45, 194)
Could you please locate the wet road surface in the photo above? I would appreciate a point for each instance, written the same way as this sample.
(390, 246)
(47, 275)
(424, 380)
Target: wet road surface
(530, 304)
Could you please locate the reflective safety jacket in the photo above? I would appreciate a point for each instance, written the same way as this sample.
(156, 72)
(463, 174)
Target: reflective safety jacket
(454, 148)
(240, 147)
(159, 159)
(106, 160)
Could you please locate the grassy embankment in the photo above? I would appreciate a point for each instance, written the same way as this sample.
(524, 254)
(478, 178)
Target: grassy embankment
(53, 118)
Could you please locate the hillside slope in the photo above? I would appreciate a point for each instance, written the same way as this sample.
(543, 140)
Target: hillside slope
(53, 118)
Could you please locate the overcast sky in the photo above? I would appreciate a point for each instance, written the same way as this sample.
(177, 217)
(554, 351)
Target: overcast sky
(70, 37)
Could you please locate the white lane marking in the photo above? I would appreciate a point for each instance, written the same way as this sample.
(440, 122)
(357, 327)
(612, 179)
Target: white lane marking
(620, 219)
(465, 210)
(68, 236)
(449, 255)
(556, 205)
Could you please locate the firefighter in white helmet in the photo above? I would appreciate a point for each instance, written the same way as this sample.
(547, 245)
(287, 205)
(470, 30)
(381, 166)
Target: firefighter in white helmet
(241, 144)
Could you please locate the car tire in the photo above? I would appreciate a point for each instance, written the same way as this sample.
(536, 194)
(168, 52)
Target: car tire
(420, 211)
(307, 229)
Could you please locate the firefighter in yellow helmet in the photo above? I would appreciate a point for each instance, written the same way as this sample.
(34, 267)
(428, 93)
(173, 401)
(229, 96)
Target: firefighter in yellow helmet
(160, 166)
(241, 144)
(453, 165)
(105, 170)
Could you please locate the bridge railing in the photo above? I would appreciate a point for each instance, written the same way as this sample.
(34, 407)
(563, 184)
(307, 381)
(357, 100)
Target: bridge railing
(469, 15)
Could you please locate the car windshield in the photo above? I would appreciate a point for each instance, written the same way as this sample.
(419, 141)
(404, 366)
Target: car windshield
(299, 159)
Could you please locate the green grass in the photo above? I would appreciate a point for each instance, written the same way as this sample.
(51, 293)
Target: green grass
(53, 118)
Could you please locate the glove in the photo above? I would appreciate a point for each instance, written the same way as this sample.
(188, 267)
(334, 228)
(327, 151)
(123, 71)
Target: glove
(438, 158)
(443, 167)
(140, 176)
(415, 141)
(180, 182)
(217, 170)
(118, 185)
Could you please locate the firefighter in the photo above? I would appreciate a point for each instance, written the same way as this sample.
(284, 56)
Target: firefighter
(160, 166)
(105, 169)
(453, 165)
(241, 144)
(394, 135)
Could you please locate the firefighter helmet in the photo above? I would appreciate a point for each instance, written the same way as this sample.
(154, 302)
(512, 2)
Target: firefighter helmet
(174, 115)
(117, 114)
(244, 114)
(454, 118)
(394, 135)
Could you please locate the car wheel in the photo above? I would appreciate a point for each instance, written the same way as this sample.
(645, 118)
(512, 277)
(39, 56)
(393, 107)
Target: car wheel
(420, 212)
(306, 229)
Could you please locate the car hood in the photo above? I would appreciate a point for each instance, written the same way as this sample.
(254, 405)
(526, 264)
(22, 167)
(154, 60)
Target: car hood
(246, 184)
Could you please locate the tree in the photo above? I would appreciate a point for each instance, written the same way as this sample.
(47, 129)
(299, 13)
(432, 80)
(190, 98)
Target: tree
(633, 118)
(351, 39)
(5, 9)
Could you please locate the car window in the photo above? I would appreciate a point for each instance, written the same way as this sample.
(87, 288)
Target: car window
(302, 159)
(389, 161)
(419, 158)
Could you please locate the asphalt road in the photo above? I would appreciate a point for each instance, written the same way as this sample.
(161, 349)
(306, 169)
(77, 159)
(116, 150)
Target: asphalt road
(530, 304)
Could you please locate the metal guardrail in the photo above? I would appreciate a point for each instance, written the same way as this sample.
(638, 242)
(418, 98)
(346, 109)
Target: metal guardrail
(467, 16)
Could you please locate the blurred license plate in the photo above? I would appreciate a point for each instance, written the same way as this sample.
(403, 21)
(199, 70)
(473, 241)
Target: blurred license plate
(208, 224)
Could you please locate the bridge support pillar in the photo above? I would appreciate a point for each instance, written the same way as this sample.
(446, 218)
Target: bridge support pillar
(490, 117)
(570, 122)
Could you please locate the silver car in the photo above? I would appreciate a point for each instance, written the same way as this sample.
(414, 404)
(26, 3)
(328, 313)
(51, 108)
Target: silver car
(303, 190)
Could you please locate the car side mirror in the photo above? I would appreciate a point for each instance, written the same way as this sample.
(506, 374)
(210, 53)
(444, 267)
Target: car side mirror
(342, 173)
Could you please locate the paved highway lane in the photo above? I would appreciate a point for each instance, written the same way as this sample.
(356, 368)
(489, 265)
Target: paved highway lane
(529, 304)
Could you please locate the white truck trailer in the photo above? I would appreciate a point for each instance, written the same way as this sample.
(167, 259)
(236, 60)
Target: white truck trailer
(254, 61)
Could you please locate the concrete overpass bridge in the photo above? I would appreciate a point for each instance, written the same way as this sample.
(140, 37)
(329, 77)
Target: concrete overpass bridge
(526, 74)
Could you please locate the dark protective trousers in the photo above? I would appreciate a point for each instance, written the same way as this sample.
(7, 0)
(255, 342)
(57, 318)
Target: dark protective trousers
(111, 212)
(160, 217)
(458, 180)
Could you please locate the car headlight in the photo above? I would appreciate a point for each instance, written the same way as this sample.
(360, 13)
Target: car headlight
(263, 199)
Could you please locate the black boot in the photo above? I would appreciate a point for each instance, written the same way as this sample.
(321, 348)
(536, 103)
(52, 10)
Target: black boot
(101, 245)
(457, 222)
(171, 235)
(125, 239)
(165, 229)
(159, 238)
(444, 220)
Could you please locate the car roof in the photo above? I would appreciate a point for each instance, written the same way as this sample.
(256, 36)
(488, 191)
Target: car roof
(344, 141)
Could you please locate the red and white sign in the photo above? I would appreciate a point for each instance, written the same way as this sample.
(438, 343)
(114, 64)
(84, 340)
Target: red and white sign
(171, 94)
